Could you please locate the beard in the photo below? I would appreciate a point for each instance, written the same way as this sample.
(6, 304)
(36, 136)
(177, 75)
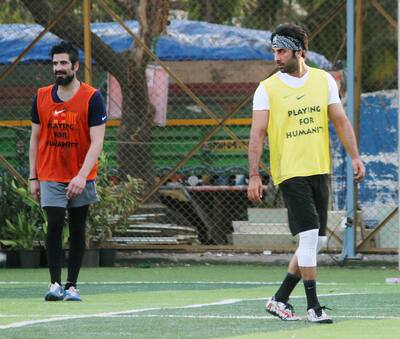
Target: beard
(64, 81)
(291, 66)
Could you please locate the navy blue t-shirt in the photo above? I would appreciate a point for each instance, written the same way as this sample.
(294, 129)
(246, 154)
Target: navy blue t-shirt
(97, 114)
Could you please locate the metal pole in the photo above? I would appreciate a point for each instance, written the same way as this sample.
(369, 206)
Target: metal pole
(398, 115)
(87, 41)
(349, 234)
(357, 99)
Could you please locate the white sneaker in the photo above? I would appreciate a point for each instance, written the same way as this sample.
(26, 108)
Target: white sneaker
(282, 310)
(318, 315)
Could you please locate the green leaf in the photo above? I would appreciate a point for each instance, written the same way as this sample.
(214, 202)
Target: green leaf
(10, 243)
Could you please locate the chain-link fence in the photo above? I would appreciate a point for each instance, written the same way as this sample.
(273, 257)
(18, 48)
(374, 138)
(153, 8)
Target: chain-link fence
(178, 79)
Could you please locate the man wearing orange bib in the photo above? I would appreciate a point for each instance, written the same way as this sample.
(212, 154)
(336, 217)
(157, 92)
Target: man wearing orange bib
(293, 108)
(68, 126)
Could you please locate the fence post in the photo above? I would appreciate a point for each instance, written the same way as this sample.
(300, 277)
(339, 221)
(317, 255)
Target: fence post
(349, 234)
(87, 40)
(398, 117)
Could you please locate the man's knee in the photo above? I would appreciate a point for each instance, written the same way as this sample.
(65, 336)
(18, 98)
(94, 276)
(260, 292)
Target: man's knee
(322, 242)
(307, 250)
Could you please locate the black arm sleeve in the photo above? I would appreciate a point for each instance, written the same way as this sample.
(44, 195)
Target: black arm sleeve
(34, 112)
(97, 110)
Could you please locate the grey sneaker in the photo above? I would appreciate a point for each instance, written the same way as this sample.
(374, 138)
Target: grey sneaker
(55, 293)
(281, 310)
(72, 294)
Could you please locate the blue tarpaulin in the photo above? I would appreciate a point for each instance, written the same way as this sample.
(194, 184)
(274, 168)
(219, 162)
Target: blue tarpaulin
(185, 40)
(378, 146)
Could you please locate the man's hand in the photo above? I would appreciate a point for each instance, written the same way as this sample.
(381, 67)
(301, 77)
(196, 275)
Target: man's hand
(255, 188)
(76, 187)
(358, 169)
(34, 186)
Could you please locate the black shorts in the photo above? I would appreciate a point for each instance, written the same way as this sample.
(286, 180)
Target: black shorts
(306, 199)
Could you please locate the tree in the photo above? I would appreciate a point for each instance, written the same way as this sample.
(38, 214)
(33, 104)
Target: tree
(263, 14)
(128, 68)
(214, 11)
(379, 46)
(11, 12)
(379, 49)
(331, 40)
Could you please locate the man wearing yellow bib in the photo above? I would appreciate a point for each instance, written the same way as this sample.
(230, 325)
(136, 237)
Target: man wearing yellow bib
(292, 107)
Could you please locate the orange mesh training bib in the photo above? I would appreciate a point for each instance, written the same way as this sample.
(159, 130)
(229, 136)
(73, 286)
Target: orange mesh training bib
(64, 135)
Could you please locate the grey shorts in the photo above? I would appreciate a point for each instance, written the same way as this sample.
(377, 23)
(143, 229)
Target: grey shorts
(53, 194)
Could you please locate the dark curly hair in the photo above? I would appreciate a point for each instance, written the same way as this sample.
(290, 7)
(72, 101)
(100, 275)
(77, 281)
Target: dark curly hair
(68, 48)
(294, 31)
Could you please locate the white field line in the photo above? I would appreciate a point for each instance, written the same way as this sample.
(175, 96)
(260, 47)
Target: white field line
(149, 282)
(120, 313)
(249, 317)
(108, 314)
(261, 283)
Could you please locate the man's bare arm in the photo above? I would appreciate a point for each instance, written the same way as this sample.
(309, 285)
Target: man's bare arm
(259, 127)
(345, 132)
(33, 149)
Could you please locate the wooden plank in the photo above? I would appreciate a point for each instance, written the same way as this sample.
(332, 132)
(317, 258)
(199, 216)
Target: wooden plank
(147, 240)
(152, 206)
(361, 246)
(142, 217)
(373, 250)
(170, 122)
(221, 71)
(152, 239)
(169, 227)
(140, 231)
(185, 248)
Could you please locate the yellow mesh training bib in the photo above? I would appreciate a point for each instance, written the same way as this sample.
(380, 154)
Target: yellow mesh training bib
(298, 127)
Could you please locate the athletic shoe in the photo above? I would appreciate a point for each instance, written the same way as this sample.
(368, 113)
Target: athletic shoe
(282, 310)
(318, 315)
(55, 293)
(72, 294)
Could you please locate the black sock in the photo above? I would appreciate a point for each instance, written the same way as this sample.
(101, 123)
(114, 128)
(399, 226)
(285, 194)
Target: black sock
(77, 223)
(310, 287)
(69, 284)
(287, 286)
(55, 220)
